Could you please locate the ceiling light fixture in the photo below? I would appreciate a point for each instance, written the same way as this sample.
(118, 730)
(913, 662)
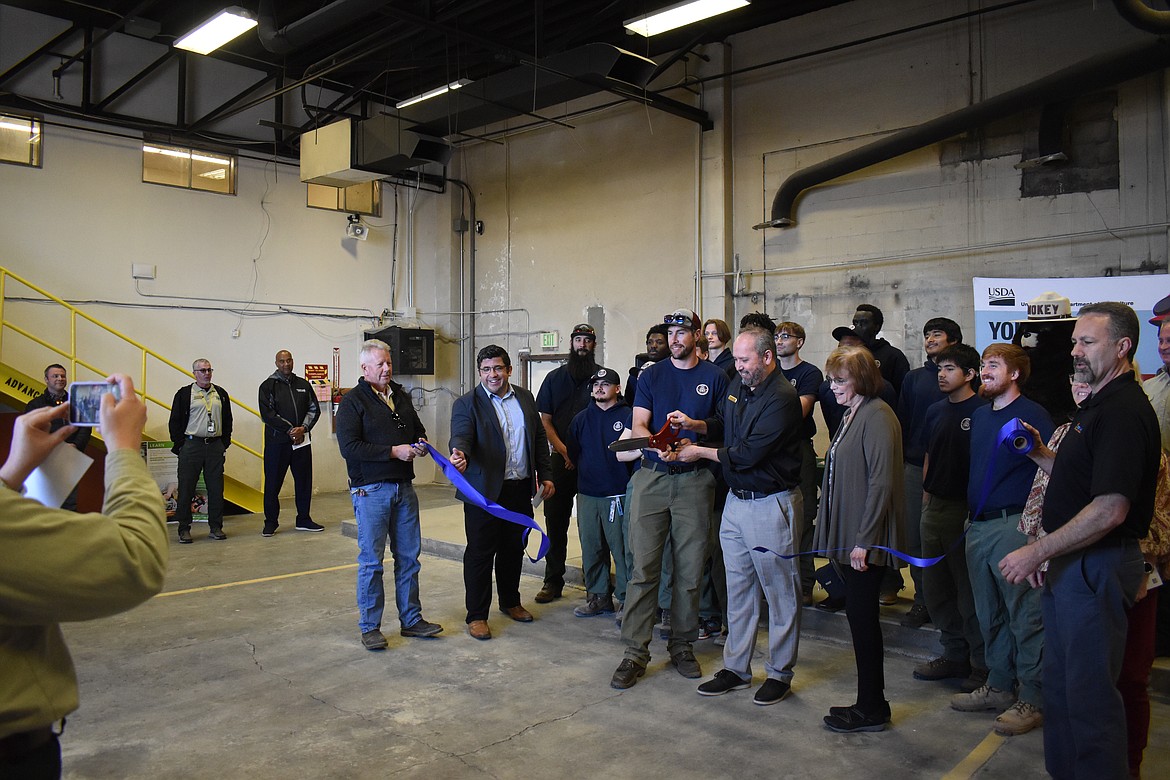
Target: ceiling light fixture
(433, 93)
(225, 26)
(681, 14)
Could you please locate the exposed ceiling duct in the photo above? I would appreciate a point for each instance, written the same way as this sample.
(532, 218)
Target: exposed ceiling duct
(529, 88)
(1140, 15)
(1083, 78)
(317, 25)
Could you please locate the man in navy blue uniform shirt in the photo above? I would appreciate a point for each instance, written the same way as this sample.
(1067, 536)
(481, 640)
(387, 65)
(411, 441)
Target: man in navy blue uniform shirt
(601, 483)
(670, 500)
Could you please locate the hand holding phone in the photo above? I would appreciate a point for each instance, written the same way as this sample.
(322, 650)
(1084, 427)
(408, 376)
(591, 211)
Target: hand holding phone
(85, 402)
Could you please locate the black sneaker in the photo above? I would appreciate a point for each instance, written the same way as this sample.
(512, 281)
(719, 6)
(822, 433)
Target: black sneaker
(269, 529)
(771, 692)
(184, 536)
(217, 534)
(422, 628)
(850, 719)
(310, 526)
(724, 681)
(917, 617)
(709, 627)
(626, 675)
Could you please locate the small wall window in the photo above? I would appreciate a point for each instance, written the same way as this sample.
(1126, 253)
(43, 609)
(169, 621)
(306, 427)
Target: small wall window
(20, 140)
(195, 169)
(364, 198)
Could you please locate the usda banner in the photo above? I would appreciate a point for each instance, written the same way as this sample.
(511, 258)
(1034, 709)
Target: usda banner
(1000, 303)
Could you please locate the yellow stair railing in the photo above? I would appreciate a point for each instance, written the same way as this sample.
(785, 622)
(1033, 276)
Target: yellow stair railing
(236, 491)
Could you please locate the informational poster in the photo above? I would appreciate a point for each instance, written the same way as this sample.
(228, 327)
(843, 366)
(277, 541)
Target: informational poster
(164, 467)
(318, 376)
(1001, 302)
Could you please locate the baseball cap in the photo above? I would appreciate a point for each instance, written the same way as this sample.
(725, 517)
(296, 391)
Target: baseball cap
(584, 329)
(683, 317)
(841, 332)
(606, 375)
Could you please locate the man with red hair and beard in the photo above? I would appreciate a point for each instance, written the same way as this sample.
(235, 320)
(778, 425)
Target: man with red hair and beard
(564, 392)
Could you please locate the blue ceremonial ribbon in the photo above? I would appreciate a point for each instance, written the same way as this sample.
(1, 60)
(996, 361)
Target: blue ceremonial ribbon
(475, 498)
(1013, 437)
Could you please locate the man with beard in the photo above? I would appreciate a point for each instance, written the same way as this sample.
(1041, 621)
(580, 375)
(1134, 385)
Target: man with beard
(656, 350)
(670, 500)
(920, 390)
(55, 395)
(759, 422)
(806, 379)
(997, 489)
(867, 324)
(564, 392)
(1099, 503)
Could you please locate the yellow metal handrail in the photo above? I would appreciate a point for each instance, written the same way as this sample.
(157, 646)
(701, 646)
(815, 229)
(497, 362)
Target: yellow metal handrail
(71, 353)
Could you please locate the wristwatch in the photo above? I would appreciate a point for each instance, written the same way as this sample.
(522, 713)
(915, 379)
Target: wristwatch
(1149, 567)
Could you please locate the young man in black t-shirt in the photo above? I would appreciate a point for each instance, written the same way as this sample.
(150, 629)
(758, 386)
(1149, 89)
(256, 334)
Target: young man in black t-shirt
(946, 466)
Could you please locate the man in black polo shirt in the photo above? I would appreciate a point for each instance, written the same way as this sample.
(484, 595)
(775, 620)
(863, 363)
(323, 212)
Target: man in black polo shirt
(759, 421)
(1099, 503)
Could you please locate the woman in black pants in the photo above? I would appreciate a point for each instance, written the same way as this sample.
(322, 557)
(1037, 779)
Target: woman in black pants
(862, 506)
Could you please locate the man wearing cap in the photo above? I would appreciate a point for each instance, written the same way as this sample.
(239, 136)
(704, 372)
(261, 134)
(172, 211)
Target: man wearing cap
(867, 324)
(1098, 506)
(919, 391)
(564, 392)
(759, 422)
(670, 500)
(601, 483)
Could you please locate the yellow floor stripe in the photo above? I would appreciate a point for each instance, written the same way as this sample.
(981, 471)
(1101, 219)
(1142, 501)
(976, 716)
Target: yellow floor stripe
(976, 758)
(258, 579)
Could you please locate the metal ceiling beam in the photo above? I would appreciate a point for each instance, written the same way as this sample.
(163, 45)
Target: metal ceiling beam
(89, 46)
(214, 113)
(135, 80)
(41, 51)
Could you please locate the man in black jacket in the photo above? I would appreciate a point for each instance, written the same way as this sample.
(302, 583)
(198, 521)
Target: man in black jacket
(201, 429)
(499, 444)
(379, 434)
(55, 395)
(288, 407)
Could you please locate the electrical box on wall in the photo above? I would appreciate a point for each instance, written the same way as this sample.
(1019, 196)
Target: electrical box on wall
(411, 349)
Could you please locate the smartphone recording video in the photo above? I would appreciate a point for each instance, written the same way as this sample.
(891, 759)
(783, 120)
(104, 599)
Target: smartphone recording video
(85, 401)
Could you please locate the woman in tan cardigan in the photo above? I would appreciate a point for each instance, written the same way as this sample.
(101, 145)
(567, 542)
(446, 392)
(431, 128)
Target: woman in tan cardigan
(862, 506)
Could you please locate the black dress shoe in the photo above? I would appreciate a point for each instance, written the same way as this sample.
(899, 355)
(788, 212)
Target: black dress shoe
(831, 605)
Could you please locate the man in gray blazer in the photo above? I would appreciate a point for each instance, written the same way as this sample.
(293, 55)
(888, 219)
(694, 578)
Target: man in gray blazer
(499, 444)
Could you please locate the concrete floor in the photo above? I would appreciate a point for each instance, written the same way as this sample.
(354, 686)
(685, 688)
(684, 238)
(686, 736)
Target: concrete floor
(250, 665)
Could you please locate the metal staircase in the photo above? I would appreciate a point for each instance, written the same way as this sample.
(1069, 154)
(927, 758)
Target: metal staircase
(21, 348)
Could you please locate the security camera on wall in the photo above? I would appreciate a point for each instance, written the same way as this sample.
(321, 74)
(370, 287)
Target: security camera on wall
(355, 228)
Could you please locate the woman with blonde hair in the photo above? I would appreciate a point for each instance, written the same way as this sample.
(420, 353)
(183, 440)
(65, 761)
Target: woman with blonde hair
(862, 507)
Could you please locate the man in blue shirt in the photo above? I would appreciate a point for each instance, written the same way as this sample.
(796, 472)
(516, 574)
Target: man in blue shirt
(601, 483)
(998, 487)
(670, 500)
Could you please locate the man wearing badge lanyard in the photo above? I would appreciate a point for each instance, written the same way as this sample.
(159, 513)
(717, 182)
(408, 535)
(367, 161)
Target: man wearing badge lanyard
(201, 429)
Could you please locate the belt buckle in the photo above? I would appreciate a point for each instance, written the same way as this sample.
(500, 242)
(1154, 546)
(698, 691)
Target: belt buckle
(674, 470)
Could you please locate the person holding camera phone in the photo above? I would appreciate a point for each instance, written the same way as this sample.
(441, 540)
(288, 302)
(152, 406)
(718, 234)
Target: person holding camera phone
(201, 430)
(56, 380)
(60, 566)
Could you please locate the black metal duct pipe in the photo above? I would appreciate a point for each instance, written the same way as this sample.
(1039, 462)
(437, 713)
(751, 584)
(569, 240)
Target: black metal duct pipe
(1088, 76)
(1141, 16)
(316, 25)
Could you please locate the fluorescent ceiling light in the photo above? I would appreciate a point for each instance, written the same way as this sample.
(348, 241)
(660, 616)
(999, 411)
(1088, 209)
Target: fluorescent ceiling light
(433, 93)
(225, 26)
(681, 14)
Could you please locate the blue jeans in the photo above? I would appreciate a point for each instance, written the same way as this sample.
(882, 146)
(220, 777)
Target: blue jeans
(387, 509)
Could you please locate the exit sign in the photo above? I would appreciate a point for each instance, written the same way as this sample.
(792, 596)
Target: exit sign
(548, 340)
